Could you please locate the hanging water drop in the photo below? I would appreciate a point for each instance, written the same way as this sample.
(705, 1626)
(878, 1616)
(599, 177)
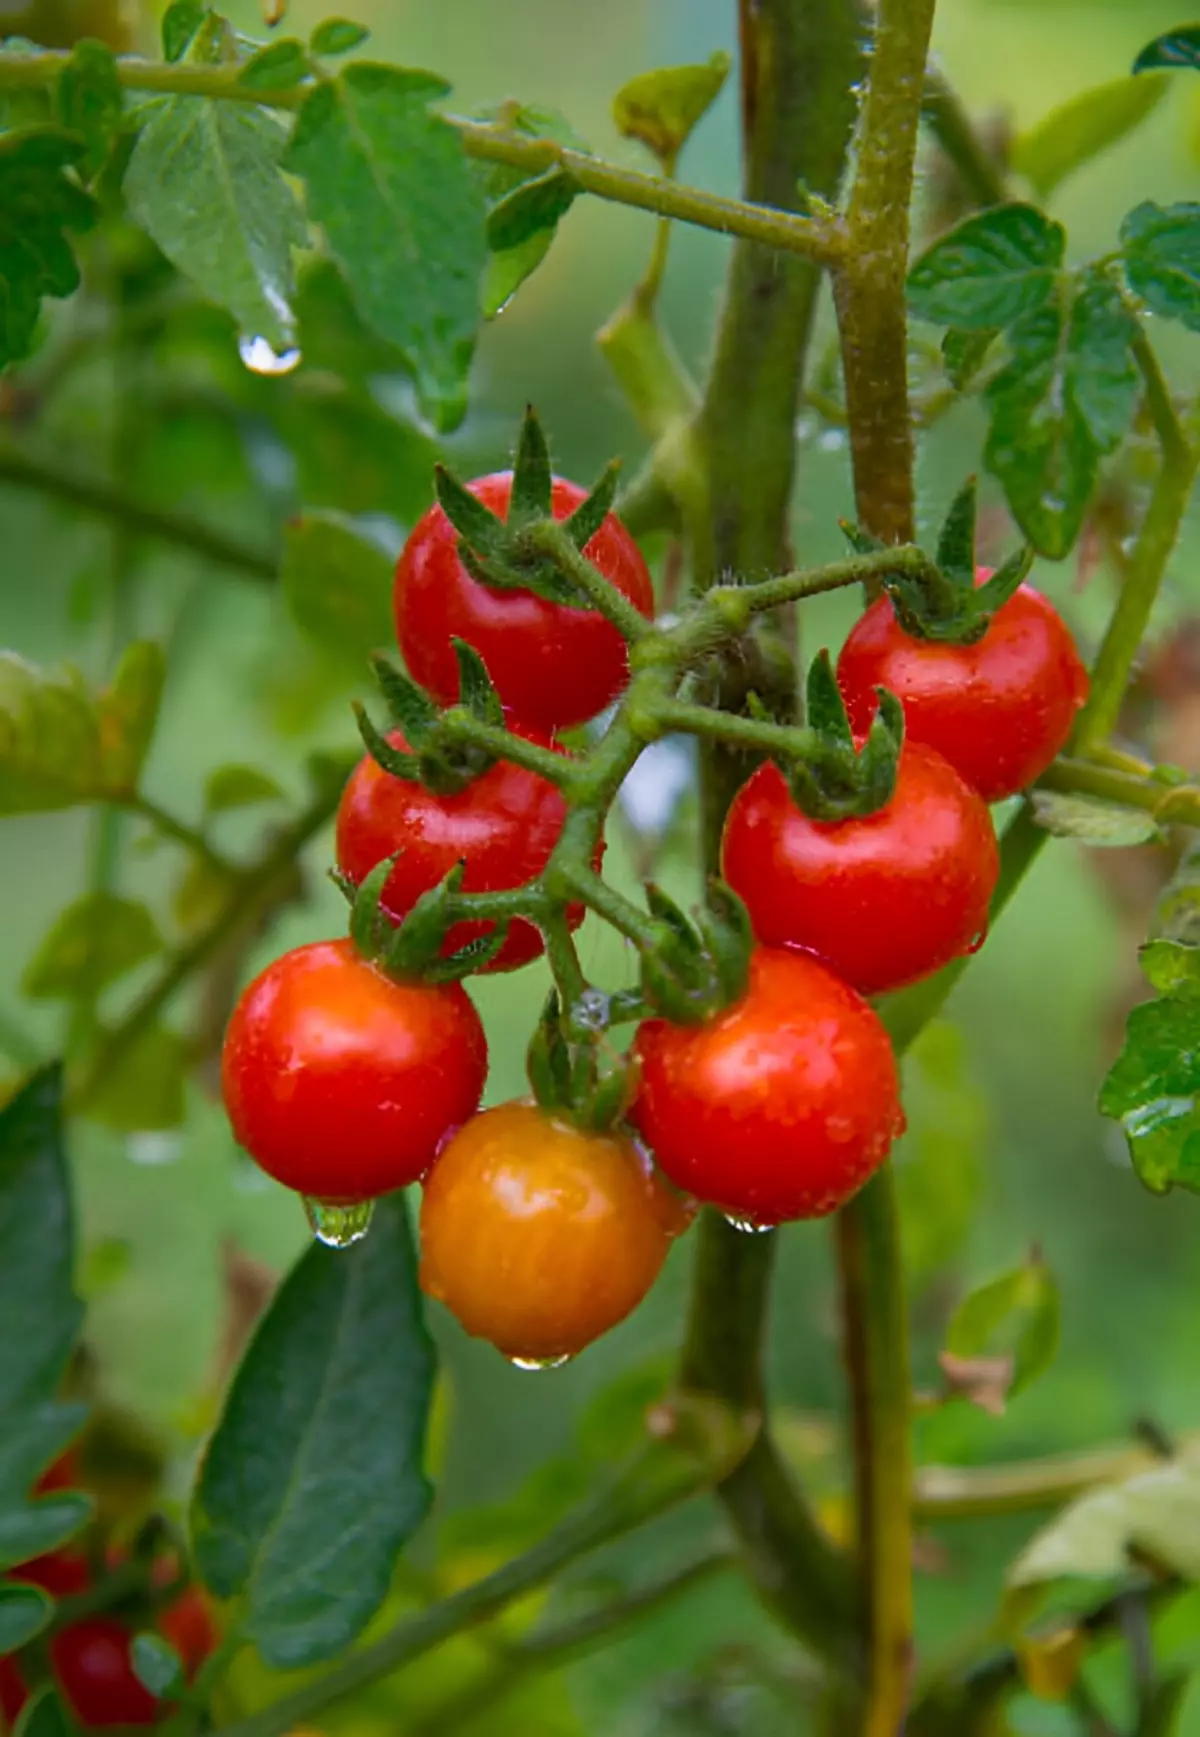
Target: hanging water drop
(532, 1364)
(748, 1226)
(339, 1226)
(261, 358)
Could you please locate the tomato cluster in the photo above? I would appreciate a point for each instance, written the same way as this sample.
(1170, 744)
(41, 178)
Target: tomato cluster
(542, 1227)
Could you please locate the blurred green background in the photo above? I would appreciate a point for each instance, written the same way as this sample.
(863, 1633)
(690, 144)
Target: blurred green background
(1006, 1149)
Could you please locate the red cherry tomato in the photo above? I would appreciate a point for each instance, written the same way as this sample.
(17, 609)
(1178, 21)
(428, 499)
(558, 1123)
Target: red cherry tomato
(13, 1693)
(61, 1573)
(781, 1105)
(552, 665)
(998, 710)
(538, 1236)
(503, 826)
(92, 1663)
(884, 899)
(64, 1474)
(341, 1083)
(189, 1626)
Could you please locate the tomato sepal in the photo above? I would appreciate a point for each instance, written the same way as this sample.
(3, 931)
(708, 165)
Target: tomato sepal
(573, 1074)
(700, 965)
(432, 756)
(838, 779)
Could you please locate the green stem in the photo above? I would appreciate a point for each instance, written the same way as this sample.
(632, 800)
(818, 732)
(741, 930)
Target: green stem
(562, 957)
(554, 541)
(788, 741)
(99, 497)
(728, 609)
(982, 177)
(1171, 805)
(1024, 1486)
(574, 880)
(190, 837)
(461, 726)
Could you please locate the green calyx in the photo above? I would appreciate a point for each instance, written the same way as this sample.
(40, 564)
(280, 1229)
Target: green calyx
(436, 754)
(412, 950)
(701, 963)
(945, 604)
(522, 552)
(574, 1072)
(835, 779)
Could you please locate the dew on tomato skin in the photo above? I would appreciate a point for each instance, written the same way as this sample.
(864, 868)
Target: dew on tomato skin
(747, 1226)
(977, 941)
(260, 356)
(339, 1226)
(534, 1365)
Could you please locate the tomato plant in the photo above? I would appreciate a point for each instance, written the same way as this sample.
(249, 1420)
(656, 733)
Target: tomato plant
(488, 861)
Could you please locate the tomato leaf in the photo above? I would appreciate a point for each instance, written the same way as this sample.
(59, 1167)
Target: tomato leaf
(351, 455)
(1171, 966)
(989, 271)
(964, 353)
(39, 206)
(337, 36)
(43, 1316)
(1092, 820)
(508, 268)
(144, 1091)
(1080, 129)
(313, 1481)
(90, 99)
(389, 182)
(91, 944)
(156, 1664)
(1162, 259)
(238, 787)
(1153, 1090)
(24, 1612)
(1155, 1513)
(1015, 1316)
(1065, 398)
(204, 182)
(181, 20)
(535, 205)
(1174, 48)
(279, 65)
(662, 108)
(337, 585)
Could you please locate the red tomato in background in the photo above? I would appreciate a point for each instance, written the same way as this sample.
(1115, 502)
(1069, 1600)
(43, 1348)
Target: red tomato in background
(778, 1107)
(503, 826)
(998, 710)
(551, 665)
(341, 1083)
(188, 1625)
(92, 1664)
(884, 899)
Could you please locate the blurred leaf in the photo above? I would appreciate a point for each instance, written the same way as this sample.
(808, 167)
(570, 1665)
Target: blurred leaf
(989, 271)
(204, 182)
(156, 1664)
(939, 1164)
(313, 1481)
(144, 1092)
(238, 787)
(1051, 1663)
(42, 1317)
(90, 100)
(1156, 1513)
(129, 712)
(24, 1612)
(337, 585)
(337, 36)
(200, 892)
(508, 269)
(1065, 398)
(1171, 966)
(661, 108)
(389, 182)
(1081, 128)
(1179, 47)
(1015, 1316)
(44, 1716)
(331, 334)
(280, 65)
(90, 945)
(189, 450)
(964, 353)
(534, 206)
(1162, 259)
(38, 206)
(1164, 1705)
(1092, 820)
(181, 20)
(104, 1265)
(351, 455)
(1153, 1090)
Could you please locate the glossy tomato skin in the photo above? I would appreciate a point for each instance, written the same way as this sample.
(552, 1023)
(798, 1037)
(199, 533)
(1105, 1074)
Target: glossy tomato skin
(780, 1106)
(341, 1083)
(189, 1626)
(92, 1664)
(552, 666)
(502, 825)
(998, 710)
(538, 1236)
(884, 899)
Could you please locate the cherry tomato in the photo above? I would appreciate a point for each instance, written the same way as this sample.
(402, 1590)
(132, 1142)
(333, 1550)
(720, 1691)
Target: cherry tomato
(539, 1236)
(64, 1474)
(341, 1083)
(189, 1626)
(998, 710)
(503, 826)
(552, 665)
(778, 1107)
(884, 899)
(92, 1663)
(13, 1693)
(61, 1573)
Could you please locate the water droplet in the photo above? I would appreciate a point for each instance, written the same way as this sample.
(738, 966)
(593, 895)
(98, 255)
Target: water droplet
(339, 1226)
(748, 1226)
(590, 1012)
(153, 1147)
(532, 1364)
(976, 941)
(831, 440)
(259, 356)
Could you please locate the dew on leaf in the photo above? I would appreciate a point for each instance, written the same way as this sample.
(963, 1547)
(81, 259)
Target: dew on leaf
(339, 1226)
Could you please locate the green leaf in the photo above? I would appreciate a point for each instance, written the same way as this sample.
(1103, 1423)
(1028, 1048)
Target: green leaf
(337, 585)
(1065, 398)
(90, 945)
(39, 206)
(204, 182)
(44, 1716)
(181, 21)
(507, 270)
(313, 1480)
(1080, 129)
(662, 108)
(238, 787)
(535, 205)
(964, 353)
(1155, 1513)
(1153, 1090)
(145, 1091)
(129, 712)
(156, 1664)
(1171, 966)
(389, 182)
(1092, 820)
(991, 270)
(939, 1168)
(1162, 259)
(1016, 1316)
(351, 455)
(90, 99)
(331, 334)
(280, 65)
(1174, 48)
(24, 1612)
(337, 36)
